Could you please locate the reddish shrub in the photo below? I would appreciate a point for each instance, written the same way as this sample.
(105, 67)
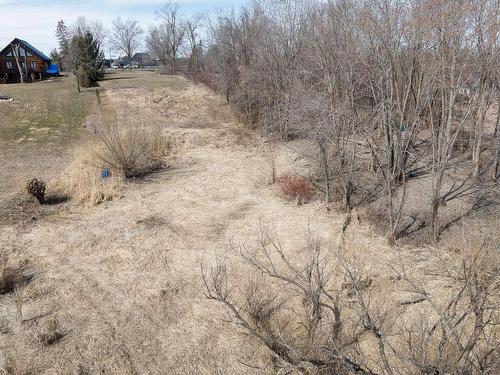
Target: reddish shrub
(296, 187)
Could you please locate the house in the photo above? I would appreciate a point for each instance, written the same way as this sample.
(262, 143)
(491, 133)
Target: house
(106, 63)
(33, 62)
(143, 59)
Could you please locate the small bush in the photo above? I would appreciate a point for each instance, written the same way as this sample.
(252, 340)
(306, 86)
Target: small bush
(134, 151)
(37, 188)
(296, 187)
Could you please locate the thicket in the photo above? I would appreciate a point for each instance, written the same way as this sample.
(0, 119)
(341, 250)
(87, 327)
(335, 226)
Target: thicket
(385, 91)
(323, 312)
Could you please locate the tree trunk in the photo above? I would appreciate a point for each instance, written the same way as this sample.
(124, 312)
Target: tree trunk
(77, 80)
(326, 173)
(434, 219)
(15, 51)
(346, 201)
(26, 65)
(496, 139)
(478, 133)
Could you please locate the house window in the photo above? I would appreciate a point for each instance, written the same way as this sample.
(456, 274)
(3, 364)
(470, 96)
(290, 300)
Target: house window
(23, 64)
(9, 64)
(33, 64)
(22, 53)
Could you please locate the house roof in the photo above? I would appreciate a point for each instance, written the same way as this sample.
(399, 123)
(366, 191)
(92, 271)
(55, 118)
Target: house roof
(28, 46)
(141, 56)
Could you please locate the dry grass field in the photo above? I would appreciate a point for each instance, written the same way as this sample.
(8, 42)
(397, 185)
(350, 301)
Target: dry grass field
(116, 287)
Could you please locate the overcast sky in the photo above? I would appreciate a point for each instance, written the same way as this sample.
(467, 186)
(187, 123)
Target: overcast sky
(35, 20)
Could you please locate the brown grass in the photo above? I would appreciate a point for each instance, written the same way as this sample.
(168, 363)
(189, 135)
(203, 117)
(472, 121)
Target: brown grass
(82, 181)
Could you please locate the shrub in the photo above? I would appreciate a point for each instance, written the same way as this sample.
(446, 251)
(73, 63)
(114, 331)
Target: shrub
(296, 187)
(133, 151)
(37, 188)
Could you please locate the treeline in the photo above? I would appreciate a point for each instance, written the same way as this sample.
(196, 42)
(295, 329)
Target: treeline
(81, 44)
(176, 36)
(386, 90)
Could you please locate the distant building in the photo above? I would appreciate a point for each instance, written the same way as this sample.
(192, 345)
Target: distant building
(33, 62)
(144, 59)
(139, 60)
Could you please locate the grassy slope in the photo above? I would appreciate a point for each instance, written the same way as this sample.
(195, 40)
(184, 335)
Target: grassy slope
(38, 128)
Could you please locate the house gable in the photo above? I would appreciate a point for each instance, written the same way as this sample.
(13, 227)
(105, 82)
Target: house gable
(26, 50)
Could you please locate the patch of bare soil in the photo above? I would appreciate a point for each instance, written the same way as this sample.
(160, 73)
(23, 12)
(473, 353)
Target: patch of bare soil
(118, 286)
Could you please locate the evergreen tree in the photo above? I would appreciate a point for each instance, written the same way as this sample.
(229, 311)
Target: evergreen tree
(87, 59)
(55, 57)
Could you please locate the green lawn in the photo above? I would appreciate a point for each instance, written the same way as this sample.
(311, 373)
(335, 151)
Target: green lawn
(53, 110)
(43, 111)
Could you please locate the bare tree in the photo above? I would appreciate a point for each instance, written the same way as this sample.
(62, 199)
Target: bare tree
(83, 26)
(157, 42)
(483, 85)
(496, 142)
(195, 46)
(389, 90)
(16, 51)
(174, 30)
(126, 37)
(446, 120)
(272, 153)
(460, 337)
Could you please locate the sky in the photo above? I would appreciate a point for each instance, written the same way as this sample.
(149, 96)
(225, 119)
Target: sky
(35, 20)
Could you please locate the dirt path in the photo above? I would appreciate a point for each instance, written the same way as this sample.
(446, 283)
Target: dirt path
(123, 278)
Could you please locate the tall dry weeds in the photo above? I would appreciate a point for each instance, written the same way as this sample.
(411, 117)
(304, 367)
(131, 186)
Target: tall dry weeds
(131, 145)
(82, 181)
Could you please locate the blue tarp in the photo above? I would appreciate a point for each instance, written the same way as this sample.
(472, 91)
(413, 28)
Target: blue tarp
(53, 69)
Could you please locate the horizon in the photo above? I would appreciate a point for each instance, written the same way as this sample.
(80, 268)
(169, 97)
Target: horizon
(42, 18)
